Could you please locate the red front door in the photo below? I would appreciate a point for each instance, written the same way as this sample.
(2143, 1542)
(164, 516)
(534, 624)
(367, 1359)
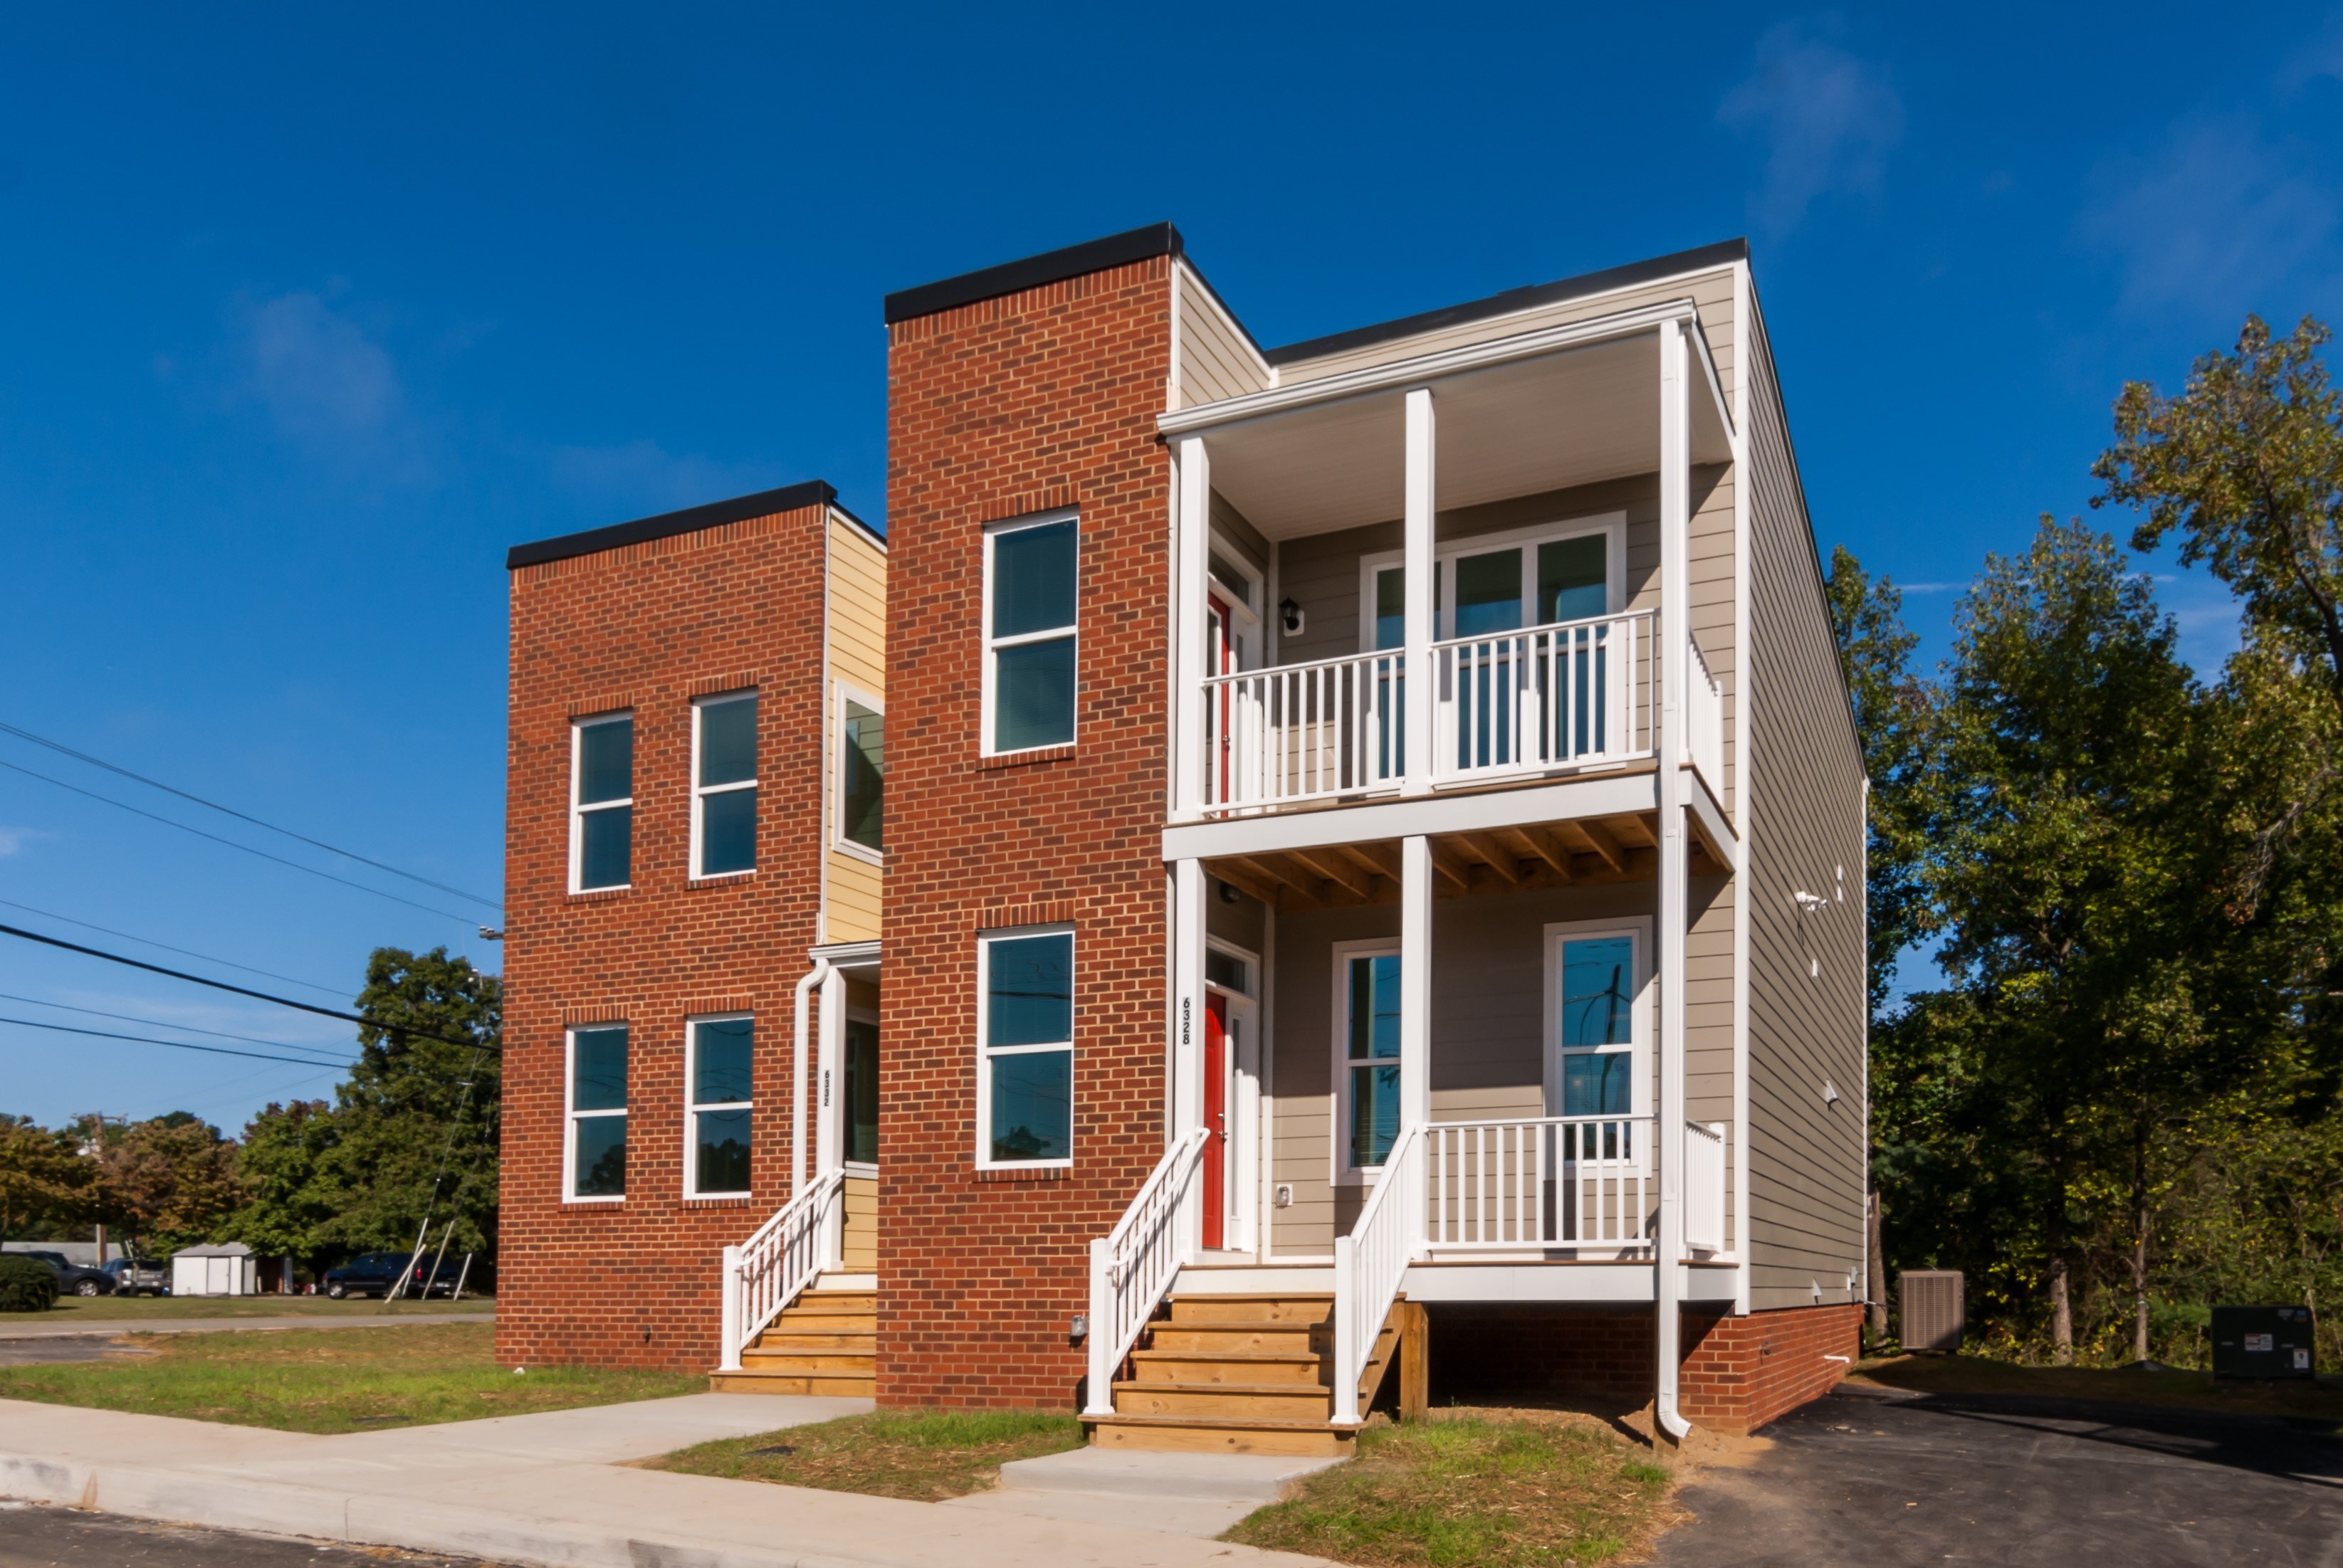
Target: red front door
(1216, 1118)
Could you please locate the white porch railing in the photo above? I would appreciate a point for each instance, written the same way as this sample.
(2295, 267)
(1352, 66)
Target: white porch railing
(1520, 701)
(764, 1273)
(1134, 1264)
(1297, 732)
(1539, 1182)
(1370, 1263)
(1704, 1186)
(1703, 720)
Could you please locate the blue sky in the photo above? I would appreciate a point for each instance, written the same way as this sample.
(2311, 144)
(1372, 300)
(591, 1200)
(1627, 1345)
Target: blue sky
(307, 317)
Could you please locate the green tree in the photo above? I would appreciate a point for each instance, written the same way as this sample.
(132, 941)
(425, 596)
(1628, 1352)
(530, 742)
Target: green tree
(290, 1209)
(45, 1182)
(167, 1182)
(417, 1121)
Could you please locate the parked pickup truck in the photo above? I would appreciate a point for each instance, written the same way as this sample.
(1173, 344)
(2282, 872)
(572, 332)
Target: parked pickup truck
(374, 1274)
(139, 1277)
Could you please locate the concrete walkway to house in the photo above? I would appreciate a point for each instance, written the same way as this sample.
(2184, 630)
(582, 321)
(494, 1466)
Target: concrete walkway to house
(555, 1489)
(1197, 1495)
(86, 1328)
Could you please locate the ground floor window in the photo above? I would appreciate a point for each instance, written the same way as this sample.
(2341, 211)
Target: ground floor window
(720, 1106)
(597, 1112)
(1600, 1011)
(862, 1089)
(1367, 1052)
(1025, 1048)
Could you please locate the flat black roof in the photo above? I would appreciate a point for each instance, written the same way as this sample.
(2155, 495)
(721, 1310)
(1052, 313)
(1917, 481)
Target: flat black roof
(1050, 267)
(692, 520)
(1514, 299)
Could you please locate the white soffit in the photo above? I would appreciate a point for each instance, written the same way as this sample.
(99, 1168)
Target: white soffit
(1515, 428)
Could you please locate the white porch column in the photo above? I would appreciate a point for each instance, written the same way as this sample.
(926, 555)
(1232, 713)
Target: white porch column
(829, 1149)
(1670, 659)
(1414, 982)
(1194, 545)
(1188, 996)
(1419, 499)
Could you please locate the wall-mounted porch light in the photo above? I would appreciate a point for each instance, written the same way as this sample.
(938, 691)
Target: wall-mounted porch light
(1289, 617)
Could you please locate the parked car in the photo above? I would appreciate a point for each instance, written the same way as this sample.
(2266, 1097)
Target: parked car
(139, 1277)
(73, 1279)
(374, 1274)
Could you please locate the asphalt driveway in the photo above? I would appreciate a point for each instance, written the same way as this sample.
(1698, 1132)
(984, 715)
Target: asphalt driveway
(1866, 1479)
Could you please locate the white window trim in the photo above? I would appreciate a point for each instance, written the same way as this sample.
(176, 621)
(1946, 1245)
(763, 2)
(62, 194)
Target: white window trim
(1640, 1017)
(1071, 632)
(699, 793)
(578, 813)
(570, 1114)
(838, 841)
(691, 1108)
(1614, 592)
(985, 1053)
(869, 1015)
(1220, 945)
(1344, 1173)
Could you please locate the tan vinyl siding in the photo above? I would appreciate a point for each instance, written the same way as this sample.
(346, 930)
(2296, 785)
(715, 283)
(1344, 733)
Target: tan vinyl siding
(857, 658)
(1711, 292)
(862, 1241)
(1216, 360)
(1803, 822)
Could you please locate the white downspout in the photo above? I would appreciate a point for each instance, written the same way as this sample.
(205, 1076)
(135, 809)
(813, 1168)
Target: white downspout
(1673, 651)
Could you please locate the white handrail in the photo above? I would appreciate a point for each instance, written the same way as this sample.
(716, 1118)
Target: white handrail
(1370, 1263)
(1704, 718)
(1536, 1181)
(1134, 1264)
(764, 1273)
(1303, 732)
(1704, 1186)
(1544, 697)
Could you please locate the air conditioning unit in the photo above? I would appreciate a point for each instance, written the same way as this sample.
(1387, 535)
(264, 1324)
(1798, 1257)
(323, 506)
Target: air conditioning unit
(1932, 1311)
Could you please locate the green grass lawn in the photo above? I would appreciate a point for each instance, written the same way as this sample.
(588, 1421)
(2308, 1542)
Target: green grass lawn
(143, 1309)
(924, 1455)
(1474, 1489)
(2320, 1401)
(325, 1380)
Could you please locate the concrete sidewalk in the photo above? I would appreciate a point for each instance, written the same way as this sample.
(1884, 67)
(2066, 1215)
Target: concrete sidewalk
(555, 1489)
(86, 1328)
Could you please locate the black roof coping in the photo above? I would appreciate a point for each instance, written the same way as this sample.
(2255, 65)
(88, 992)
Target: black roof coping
(692, 520)
(1050, 267)
(1514, 299)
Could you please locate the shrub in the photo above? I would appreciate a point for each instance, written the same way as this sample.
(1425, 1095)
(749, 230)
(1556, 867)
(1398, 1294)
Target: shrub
(26, 1285)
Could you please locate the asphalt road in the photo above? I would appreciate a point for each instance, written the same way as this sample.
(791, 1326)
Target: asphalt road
(1861, 1481)
(35, 1537)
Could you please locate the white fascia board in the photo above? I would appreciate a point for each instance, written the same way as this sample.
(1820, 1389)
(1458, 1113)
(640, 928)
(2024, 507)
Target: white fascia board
(1624, 1282)
(1702, 805)
(1428, 368)
(1603, 795)
(847, 955)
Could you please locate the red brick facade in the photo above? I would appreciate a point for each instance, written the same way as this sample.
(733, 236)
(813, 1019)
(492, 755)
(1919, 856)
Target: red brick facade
(1738, 1373)
(647, 628)
(1022, 403)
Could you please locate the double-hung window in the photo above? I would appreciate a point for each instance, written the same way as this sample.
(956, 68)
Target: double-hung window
(1601, 1009)
(601, 802)
(716, 1081)
(1025, 1049)
(861, 772)
(1367, 1054)
(1030, 640)
(597, 1155)
(724, 785)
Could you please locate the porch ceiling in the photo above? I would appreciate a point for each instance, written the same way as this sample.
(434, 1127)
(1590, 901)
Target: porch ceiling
(1518, 427)
(1581, 850)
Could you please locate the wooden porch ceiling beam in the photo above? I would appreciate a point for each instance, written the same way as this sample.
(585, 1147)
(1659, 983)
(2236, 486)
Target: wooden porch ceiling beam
(1494, 855)
(1451, 865)
(1604, 844)
(1382, 857)
(1248, 878)
(1279, 867)
(1369, 866)
(1336, 870)
(1537, 844)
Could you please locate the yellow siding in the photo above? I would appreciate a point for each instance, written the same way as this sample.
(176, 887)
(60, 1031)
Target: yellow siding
(857, 658)
(861, 1250)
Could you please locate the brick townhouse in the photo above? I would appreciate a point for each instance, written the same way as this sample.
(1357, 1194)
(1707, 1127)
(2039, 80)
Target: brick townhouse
(1372, 899)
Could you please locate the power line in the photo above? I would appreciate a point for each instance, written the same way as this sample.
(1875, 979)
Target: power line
(240, 990)
(241, 816)
(156, 1022)
(179, 1044)
(183, 952)
(231, 843)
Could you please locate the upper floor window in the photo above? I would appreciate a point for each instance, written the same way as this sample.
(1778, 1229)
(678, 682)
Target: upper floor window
(716, 1081)
(861, 771)
(601, 802)
(1025, 1049)
(596, 1162)
(1029, 634)
(724, 785)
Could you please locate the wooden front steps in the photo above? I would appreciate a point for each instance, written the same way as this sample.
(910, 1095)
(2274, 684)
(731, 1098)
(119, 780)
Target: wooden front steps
(824, 1342)
(1238, 1375)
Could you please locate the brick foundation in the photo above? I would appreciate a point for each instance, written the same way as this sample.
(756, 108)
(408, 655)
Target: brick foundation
(1737, 1372)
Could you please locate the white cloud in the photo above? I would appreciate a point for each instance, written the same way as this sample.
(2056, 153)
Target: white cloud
(13, 839)
(2212, 221)
(642, 477)
(1828, 119)
(317, 371)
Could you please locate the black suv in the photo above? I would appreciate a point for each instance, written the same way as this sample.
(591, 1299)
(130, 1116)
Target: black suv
(374, 1274)
(73, 1279)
